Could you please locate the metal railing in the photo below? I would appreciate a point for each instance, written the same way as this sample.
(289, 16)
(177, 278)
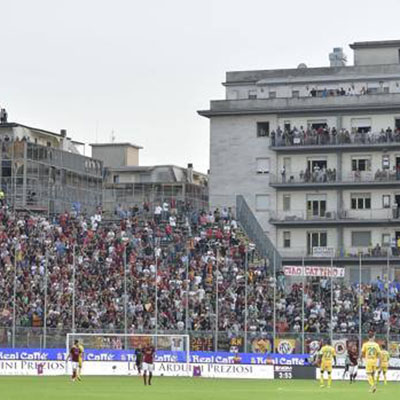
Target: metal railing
(272, 320)
(334, 215)
(331, 176)
(313, 138)
(254, 231)
(350, 252)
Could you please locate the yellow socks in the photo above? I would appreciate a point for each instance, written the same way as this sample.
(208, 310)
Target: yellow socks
(329, 379)
(371, 380)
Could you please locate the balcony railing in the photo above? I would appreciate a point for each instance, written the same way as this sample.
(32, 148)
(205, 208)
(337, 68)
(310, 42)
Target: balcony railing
(247, 106)
(330, 176)
(346, 252)
(328, 138)
(296, 216)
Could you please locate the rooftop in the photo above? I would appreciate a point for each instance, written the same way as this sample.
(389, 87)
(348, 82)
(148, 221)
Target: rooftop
(116, 144)
(146, 168)
(18, 125)
(344, 104)
(380, 67)
(375, 44)
(312, 74)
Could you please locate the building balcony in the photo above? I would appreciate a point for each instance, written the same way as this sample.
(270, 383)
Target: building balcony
(326, 141)
(371, 255)
(302, 218)
(301, 105)
(329, 180)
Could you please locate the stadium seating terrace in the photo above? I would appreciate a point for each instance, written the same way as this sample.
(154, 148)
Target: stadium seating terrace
(161, 243)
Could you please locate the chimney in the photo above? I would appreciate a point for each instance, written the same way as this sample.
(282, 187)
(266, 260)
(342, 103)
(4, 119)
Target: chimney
(63, 133)
(189, 174)
(3, 116)
(337, 58)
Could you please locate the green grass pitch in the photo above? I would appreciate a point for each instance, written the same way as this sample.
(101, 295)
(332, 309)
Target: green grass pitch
(124, 388)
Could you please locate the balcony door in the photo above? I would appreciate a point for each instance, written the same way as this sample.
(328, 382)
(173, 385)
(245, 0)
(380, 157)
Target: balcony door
(316, 164)
(315, 125)
(316, 206)
(316, 239)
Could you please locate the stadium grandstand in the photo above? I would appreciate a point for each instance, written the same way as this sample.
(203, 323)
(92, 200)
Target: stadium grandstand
(66, 273)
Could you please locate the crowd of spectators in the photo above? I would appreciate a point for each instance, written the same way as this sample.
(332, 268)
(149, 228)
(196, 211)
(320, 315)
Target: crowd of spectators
(315, 175)
(345, 307)
(324, 135)
(179, 251)
(322, 174)
(183, 255)
(350, 91)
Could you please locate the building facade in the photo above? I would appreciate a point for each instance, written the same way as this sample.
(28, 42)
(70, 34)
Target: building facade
(316, 154)
(43, 171)
(126, 183)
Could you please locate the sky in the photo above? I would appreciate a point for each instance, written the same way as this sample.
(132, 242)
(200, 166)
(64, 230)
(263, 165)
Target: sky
(142, 69)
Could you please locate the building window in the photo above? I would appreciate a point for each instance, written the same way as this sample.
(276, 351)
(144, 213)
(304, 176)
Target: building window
(372, 90)
(286, 239)
(252, 94)
(361, 239)
(385, 162)
(316, 239)
(361, 125)
(316, 205)
(286, 202)
(386, 239)
(386, 201)
(116, 178)
(317, 124)
(296, 94)
(361, 164)
(262, 129)
(316, 164)
(262, 165)
(262, 202)
(272, 95)
(361, 201)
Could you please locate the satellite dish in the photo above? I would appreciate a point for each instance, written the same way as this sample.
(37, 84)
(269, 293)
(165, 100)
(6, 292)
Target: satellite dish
(302, 66)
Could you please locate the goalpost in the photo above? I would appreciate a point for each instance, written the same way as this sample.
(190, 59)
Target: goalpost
(114, 353)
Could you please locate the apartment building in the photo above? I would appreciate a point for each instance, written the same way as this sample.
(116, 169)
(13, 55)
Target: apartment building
(126, 183)
(43, 171)
(316, 154)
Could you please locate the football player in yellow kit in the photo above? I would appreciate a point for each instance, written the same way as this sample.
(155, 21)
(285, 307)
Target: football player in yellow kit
(383, 364)
(327, 355)
(371, 353)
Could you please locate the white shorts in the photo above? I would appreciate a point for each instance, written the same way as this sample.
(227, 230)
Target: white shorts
(148, 367)
(75, 365)
(353, 369)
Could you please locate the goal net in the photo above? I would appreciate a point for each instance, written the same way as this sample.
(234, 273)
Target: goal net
(115, 354)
